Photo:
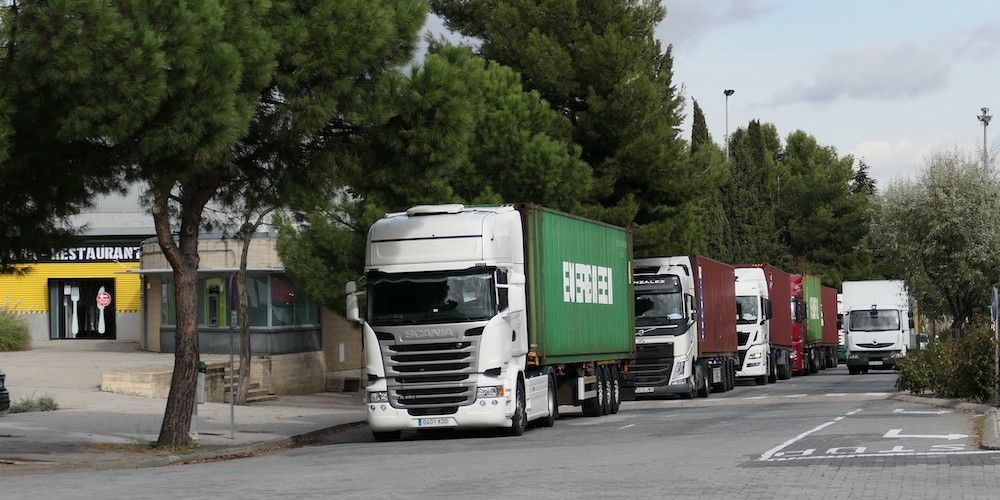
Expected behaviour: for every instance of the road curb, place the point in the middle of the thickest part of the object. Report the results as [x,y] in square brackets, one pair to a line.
[957,404]
[990,439]
[134,461]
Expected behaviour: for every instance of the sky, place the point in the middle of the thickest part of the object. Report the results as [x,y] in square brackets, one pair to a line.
[889,81]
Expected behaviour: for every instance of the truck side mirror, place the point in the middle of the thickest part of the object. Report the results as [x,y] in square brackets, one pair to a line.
[353,314]
[911,323]
[768,312]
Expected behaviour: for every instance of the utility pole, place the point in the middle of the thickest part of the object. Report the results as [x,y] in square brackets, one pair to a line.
[985,118]
[727,92]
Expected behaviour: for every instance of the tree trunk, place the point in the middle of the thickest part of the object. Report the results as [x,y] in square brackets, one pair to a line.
[182,255]
[243,386]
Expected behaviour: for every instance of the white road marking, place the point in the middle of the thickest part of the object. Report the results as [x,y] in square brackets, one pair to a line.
[835,394]
[796,395]
[626,426]
[759,397]
[883,454]
[876,394]
[769,453]
[896,433]
[921,412]
[852,412]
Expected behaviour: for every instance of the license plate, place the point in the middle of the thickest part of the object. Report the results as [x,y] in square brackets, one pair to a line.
[640,390]
[435,422]
[875,362]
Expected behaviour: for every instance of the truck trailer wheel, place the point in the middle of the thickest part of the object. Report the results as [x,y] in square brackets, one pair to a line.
[519,421]
[615,389]
[608,389]
[594,407]
[386,436]
[552,403]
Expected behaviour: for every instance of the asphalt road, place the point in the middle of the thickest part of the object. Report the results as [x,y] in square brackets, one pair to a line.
[828,435]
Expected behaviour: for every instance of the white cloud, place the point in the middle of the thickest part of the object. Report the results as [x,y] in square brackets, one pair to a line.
[886,73]
[689,20]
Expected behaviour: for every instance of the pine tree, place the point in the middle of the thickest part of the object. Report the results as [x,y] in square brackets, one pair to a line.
[699,128]
[599,64]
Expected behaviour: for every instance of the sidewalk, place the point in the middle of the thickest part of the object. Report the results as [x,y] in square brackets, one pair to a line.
[96,430]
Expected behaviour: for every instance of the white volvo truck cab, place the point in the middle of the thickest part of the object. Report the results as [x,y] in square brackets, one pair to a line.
[753,312]
[445,290]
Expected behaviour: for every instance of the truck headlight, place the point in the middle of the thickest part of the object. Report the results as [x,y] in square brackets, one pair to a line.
[754,355]
[378,397]
[679,366]
[489,392]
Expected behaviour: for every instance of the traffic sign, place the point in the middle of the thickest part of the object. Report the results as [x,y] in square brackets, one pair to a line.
[103,299]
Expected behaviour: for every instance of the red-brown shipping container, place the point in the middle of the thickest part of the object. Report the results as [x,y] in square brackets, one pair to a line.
[830,335]
[715,291]
[779,286]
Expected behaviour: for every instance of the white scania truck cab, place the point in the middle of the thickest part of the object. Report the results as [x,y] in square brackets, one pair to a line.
[753,312]
[877,324]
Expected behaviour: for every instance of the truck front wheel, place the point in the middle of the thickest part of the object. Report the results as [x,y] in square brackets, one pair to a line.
[553,404]
[519,421]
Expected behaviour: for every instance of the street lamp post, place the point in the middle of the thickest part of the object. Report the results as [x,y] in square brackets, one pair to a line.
[985,118]
[727,92]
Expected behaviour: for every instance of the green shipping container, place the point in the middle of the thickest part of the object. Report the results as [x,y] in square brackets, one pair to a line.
[812,296]
[580,305]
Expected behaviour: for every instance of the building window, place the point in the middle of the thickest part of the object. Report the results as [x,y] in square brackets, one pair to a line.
[268,297]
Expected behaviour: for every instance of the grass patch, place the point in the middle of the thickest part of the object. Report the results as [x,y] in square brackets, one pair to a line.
[14,334]
[25,405]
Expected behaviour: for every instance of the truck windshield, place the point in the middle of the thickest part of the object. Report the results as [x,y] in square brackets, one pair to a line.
[746,310]
[659,308]
[881,320]
[430,298]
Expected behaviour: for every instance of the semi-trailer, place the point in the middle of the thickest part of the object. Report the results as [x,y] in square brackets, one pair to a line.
[753,320]
[812,334]
[685,310]
[492,317]
[831,337]
[877,324]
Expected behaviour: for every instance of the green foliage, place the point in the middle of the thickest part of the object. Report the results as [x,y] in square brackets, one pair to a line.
[824,218]
[14,335]
[599,64]
[699,129]
[33,404]
[463,129]
[750,196]
[960,367]
[939,233]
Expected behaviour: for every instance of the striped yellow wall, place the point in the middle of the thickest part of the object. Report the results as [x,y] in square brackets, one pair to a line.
[28,293]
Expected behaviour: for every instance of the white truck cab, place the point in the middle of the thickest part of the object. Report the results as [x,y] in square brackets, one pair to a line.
[877,324]
[752,325]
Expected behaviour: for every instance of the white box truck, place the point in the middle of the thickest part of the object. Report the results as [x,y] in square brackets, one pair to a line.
[877,324]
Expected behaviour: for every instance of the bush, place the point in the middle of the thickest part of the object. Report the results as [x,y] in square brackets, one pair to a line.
[25,405]
[955,368]
[14,334]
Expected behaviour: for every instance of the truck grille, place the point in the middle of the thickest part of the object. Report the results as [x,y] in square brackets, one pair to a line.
[432,378]
[875,345]
[652,372]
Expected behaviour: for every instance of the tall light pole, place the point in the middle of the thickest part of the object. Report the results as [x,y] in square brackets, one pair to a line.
[727,92]
[985,118]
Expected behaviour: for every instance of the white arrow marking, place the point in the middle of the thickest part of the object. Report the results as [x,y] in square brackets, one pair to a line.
[921,412]
[895,433]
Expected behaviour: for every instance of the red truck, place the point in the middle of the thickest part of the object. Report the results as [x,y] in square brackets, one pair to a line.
[831,335]
[798,311]
[685,308]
